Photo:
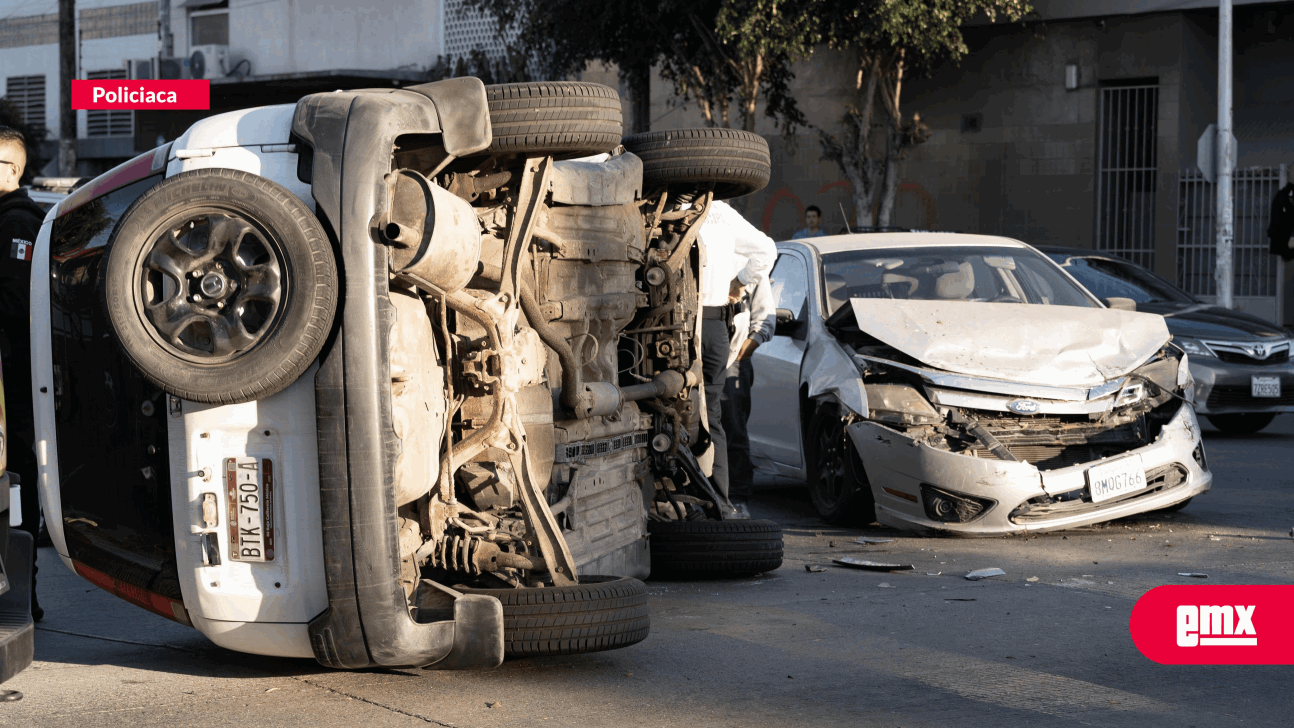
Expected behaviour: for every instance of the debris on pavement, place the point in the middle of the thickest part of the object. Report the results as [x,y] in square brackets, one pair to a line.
[1193,574]
[815,568]
[871,565]
[978,574]
[933,573]
[491,703]
[885,585]
[869,539]
[1032,578]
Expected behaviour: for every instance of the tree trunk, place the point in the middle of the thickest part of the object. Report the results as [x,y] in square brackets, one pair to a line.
[638,77]
[890,183]
[66,72]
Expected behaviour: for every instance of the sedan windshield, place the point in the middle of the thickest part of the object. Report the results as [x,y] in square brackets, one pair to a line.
[1110,279]
[986,274]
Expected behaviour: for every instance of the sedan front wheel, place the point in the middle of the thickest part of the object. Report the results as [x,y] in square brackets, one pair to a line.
[838,484]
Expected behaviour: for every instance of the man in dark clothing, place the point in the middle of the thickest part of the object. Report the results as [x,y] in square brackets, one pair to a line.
[1282,223]
[20,220]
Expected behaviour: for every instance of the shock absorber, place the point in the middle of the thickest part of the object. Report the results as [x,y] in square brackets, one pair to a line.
[473,555]
[456,553]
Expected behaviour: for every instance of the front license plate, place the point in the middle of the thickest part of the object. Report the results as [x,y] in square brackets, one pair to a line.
[1265,386]
[1113,479]
[250,486]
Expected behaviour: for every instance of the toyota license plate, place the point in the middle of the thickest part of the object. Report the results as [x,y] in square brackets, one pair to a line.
[1265,386]
[1117,478]
[249,483]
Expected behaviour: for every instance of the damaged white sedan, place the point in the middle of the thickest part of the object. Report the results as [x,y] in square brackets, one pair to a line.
[966,384]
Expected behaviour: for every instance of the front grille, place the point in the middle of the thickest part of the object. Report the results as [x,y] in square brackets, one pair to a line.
[1045,508]
[1234,357]
[1233,395]
[1054,457]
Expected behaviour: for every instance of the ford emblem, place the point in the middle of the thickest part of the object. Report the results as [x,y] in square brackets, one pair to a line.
[1023,406]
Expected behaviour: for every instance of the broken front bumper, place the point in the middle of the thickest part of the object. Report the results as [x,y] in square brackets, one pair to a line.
[1015,493]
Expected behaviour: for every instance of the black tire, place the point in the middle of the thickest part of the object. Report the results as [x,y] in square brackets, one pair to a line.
[692,549]
[599,613]
[562,118]
[270,273]
[1244,423]
[838,484]
[735,161]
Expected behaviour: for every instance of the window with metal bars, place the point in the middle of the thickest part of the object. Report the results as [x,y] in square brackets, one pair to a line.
[105,123]
[1126,172]
[27,94]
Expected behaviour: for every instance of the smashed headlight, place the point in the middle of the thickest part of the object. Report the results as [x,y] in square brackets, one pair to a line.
[900,404]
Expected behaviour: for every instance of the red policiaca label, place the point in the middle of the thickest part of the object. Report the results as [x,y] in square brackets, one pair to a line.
[1215,625]
[123,95]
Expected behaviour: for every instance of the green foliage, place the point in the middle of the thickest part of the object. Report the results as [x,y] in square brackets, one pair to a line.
[714,52]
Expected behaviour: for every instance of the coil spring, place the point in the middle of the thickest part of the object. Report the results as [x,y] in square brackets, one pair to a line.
[457,553]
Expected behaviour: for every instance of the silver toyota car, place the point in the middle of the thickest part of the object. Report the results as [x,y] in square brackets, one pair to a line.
[967,384]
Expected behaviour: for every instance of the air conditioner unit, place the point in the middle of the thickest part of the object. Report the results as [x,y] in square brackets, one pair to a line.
[174,68]
[137,68]
[209,61]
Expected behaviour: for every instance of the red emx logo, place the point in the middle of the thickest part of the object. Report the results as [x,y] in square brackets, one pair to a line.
[1216,626]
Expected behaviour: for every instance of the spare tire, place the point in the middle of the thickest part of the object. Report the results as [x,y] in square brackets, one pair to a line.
[691,549]
[561,118]
[599,613]
[220,286]
[736,162]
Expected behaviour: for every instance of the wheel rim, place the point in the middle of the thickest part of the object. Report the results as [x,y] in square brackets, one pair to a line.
[831,463]
[211,286]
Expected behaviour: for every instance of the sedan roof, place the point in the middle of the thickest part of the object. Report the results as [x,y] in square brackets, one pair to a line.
[868,241]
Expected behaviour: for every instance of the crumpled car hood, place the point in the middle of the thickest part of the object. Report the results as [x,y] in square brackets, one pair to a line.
[1047,345]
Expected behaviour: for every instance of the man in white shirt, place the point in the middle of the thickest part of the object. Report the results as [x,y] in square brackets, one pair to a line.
[753,325]
[737,254]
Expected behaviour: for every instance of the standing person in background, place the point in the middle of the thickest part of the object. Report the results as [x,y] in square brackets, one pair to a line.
[753,325]
[812,224]
[737,254]
[20,220]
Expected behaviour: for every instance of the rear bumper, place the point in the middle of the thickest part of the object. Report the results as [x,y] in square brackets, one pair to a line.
[898,467]
[1222,388]
[368,621]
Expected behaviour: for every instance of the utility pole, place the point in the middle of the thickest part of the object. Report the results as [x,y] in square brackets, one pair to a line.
[1224,221]
[66,72]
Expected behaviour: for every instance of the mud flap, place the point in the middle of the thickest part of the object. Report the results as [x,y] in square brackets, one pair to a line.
[478,634]
[16,628]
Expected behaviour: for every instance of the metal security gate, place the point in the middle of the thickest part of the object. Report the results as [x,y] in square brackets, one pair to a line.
[1126,173]
[1256,285]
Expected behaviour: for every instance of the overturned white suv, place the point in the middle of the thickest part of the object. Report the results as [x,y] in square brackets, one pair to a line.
[966,384]
[379,378]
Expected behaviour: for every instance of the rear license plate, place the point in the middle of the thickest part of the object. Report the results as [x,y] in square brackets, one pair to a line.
[1113,479]
[1265,386]
[250,486]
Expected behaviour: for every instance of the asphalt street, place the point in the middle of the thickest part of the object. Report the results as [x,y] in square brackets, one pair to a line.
[1046,644]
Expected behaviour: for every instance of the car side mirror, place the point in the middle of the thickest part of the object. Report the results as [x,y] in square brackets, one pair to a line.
[1120,304]
[786,323]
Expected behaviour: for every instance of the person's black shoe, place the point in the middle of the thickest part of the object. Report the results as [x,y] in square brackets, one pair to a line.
[37,614]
